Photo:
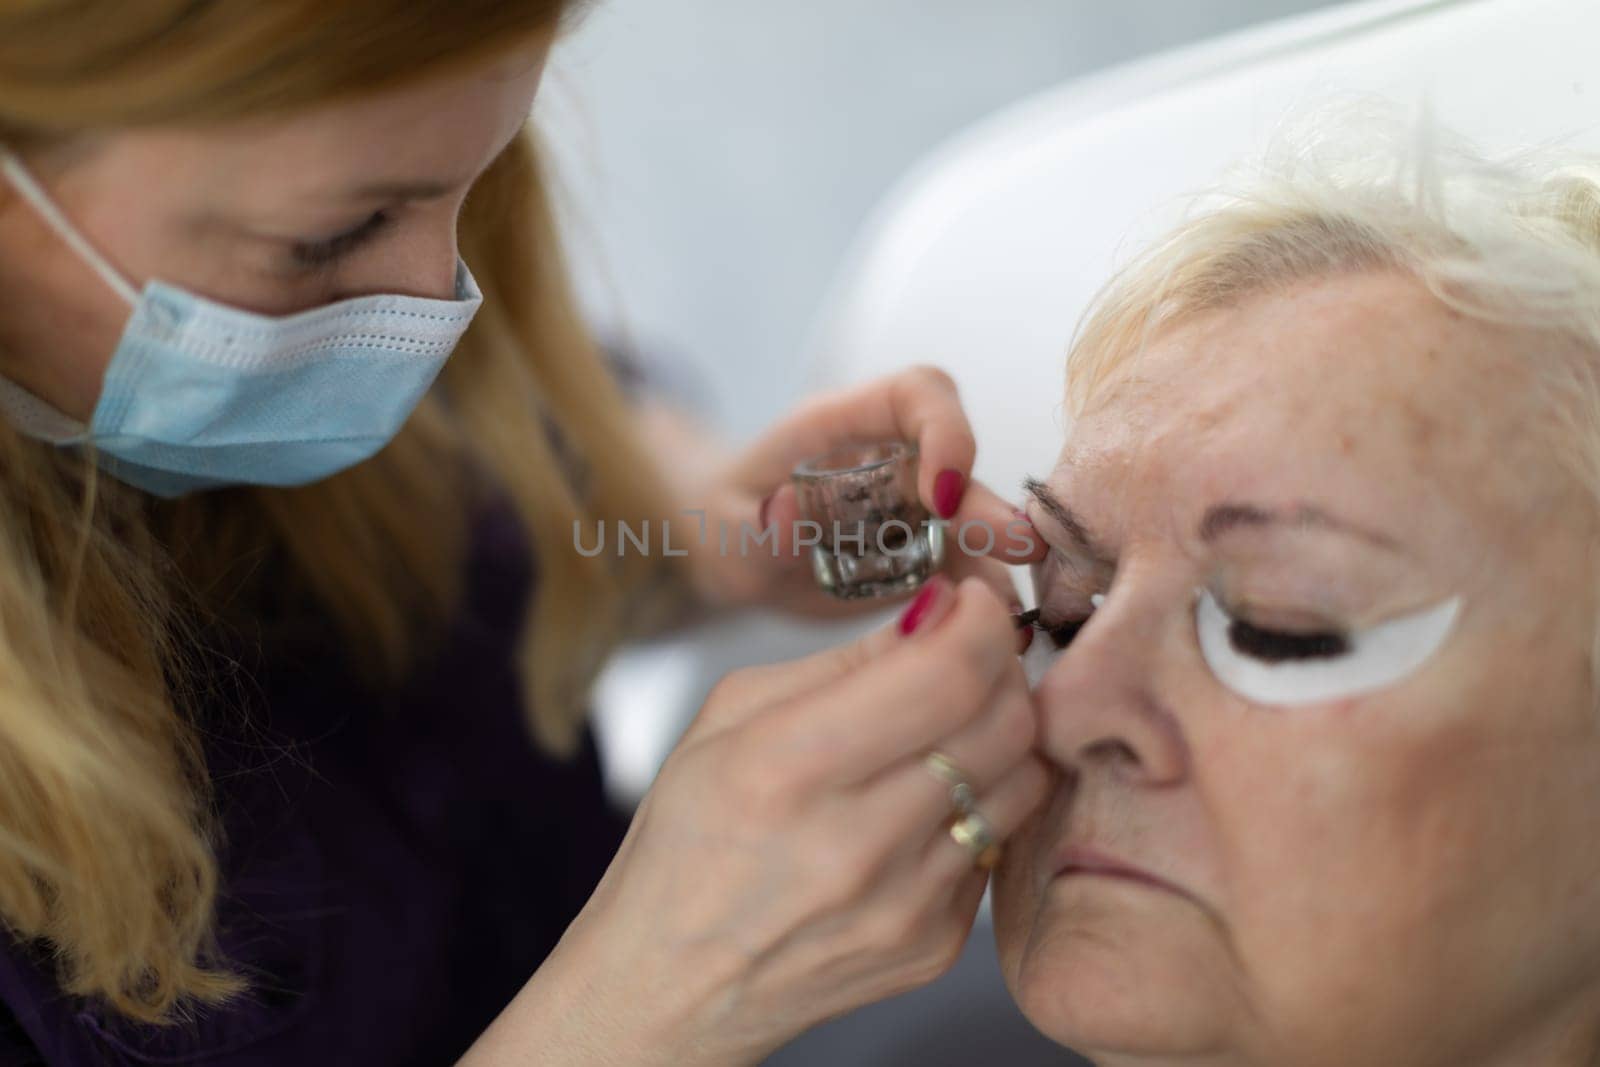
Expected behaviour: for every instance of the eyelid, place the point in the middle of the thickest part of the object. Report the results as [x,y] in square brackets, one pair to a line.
[1289,620]
[322,251]
[1056,535]
[1052,616]
[1058,577]
[1074,567]
[1312,593]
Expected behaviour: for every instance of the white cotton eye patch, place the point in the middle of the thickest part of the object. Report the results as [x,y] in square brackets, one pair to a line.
[1371,659]
[1042,653]
[1039,658]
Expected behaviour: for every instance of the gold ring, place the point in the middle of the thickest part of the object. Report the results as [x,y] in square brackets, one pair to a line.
[947,771]
[974,833]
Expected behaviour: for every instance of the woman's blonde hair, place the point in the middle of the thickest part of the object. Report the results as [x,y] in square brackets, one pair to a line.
[1351,185]
[107,850]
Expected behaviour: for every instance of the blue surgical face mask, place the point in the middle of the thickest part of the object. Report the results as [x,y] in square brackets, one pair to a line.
[199,395]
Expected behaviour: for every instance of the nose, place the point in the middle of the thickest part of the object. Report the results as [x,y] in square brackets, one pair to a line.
[1099,705]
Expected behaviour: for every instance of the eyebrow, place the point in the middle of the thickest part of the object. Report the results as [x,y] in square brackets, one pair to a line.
[1218,520]
[423,189]
[1064,517]
[418,190]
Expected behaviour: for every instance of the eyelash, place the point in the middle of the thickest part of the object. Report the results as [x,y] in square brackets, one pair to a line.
[1060,633]
[313,254]
[1277,646]
[1269,646]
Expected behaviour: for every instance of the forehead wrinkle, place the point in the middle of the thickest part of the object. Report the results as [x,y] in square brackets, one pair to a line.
[1100,483]
[1425,417]
[1182,442]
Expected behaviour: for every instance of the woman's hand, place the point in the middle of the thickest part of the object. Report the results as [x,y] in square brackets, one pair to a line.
[792,861]
[918,405]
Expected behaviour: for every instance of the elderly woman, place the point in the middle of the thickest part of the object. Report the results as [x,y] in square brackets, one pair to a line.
[1322,694]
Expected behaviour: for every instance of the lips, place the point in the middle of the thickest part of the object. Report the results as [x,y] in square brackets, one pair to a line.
[1082,860]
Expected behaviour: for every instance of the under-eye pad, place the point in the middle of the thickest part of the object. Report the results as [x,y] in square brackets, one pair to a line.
[1366,660]
[1038,659]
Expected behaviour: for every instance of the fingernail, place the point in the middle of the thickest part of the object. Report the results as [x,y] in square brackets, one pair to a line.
[1015,536]
[947,490]
[1024,639]
[918,609]
[766,506]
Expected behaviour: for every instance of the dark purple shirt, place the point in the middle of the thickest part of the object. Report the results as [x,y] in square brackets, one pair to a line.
[397,864]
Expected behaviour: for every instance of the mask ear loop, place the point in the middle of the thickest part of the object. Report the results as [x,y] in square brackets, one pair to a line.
[30,190]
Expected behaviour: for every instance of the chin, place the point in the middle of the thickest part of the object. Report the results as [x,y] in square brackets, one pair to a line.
[1118,973]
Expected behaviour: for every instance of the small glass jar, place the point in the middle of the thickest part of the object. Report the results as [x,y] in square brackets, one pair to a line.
[872,536]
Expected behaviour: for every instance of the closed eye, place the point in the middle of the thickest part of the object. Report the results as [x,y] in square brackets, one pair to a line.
[322,252]
[1247,638]
[1285,669]
[1275,646]
[1060,632]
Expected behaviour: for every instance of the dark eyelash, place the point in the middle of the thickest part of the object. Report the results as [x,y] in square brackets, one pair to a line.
[321,253]
[1059,633]
[1272,646]
[1276,646]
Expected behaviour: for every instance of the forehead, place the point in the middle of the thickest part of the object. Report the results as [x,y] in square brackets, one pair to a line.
[1365,391]
[440,127]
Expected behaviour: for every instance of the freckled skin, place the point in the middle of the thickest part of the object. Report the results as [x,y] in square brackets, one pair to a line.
[1408,878]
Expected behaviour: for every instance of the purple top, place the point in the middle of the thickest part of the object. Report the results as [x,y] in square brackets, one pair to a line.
[397,866]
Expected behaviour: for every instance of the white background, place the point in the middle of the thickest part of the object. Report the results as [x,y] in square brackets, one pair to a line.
[718,156]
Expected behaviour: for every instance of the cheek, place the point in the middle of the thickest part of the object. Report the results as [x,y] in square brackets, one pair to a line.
[1015,892]
[1444,824]
[144,232]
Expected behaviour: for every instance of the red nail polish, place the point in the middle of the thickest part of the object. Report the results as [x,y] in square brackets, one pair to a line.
[1024,640]
[766,506]
[947,490]
[918,608]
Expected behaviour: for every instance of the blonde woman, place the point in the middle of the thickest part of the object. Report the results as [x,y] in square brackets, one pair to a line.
[1323,544]
[297,424]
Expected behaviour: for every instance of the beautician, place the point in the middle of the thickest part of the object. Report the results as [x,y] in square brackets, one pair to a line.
[296,419]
